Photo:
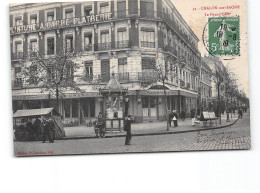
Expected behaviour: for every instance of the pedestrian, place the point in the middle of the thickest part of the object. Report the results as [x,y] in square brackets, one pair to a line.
[170,116]
[175,118]
[183,115]
[51,130]
[128,130]
[45,130]
[240,112]
[37,127]
[30,129]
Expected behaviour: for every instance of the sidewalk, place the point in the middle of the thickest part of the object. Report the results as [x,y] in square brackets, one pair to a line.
[154,128]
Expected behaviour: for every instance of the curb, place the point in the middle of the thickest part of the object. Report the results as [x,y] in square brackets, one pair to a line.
[149,134]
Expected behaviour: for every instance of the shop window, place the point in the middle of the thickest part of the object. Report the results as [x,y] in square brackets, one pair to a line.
[147,37]
[33,19]
[67,108]
[88,10]
[92,107]
[50,16]
[89,70]
[75,108]
[85,107]
[144,102]
[153,102]
[69,44]
[69,13]
[50,46]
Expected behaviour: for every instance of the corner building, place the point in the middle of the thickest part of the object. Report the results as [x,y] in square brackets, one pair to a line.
[123,37]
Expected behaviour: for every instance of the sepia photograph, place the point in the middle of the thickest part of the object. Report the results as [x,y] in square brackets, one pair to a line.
[129,76]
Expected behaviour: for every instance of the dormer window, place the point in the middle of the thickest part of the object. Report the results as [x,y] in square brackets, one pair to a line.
[50,16]
[18,21]
[33,19]
[104,7]
[69,13]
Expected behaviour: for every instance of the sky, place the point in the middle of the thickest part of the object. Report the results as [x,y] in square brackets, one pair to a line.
[197,20]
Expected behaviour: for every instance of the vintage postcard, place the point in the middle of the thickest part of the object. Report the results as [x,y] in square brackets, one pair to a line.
[126,76]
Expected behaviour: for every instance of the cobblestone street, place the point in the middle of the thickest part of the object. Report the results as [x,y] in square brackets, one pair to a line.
[235,137]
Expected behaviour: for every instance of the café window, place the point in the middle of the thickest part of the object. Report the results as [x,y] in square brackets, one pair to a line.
[50,16]
[18,21]
[75,108]
[104,7]
[69,44]
[33,19]
[67,108]
[88,41]
[69,13]
[89,70]
[50,46]
[88,10]
[147,37]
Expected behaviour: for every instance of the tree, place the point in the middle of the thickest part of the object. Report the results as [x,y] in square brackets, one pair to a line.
[54,73]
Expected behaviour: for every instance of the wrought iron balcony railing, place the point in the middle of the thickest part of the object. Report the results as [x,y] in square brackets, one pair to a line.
[147,44]
[148,76]
[17,55]
[104,46]
[88,47]
[122,44]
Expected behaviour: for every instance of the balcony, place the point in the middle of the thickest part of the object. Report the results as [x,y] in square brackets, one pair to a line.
[122,44]
[122,76]
[88,48]
[33,54]
[103,46]
[148,76]
[17,55]
[121,14]
[148,44]
[170,49]
[88,77]
[147,14]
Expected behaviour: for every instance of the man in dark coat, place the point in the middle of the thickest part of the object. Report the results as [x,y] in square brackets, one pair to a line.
[128,130]
[183,114]
[170,116]
[45,130]
[37,126]
[51,130]
[30,129]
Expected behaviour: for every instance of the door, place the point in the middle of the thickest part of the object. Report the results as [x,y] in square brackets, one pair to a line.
[149,108]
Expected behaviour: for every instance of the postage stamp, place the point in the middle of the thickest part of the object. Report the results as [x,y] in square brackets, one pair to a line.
[224,36]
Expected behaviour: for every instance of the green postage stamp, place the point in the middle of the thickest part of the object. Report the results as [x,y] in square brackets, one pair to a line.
[224,36]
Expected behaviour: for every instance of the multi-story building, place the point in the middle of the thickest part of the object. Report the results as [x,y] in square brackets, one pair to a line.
[205,86]
[126,37]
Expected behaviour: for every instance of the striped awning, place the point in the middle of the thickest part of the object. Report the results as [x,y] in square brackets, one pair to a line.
[32,112]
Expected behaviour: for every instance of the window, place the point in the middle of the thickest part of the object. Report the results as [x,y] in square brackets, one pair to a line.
[50,46]
[18,21]
[122,65]
[122,41]
[104,7]
[105,70]
[148,63]
[147,37]
[88,10]
[105,40]
[89,70]
[121,9]
[67,108]
[88,41]
[50,16]
[147,8]
[18,47]
[33,19]
[69,44]
[33,47]
[69,13]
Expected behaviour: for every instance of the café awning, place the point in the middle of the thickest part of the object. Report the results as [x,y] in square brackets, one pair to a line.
[32,112]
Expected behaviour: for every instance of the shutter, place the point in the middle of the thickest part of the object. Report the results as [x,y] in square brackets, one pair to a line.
[105,70]
[121,9]
[143,8]
[150,9]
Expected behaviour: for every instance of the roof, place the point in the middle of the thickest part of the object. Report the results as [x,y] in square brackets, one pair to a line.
[32,112]
[113,86]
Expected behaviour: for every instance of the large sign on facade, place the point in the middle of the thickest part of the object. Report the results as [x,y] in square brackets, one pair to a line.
[76,21]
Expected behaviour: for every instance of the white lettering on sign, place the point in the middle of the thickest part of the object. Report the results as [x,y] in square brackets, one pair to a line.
[61,23]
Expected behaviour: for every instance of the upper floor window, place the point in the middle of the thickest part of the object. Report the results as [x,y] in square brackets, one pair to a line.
[147,8]
[50,46]
[89,70]
[147,37]
[122,65]
[88,10]
[69,13]
[104,7]
[33,19]
[88,41]
[18,21]
[50,16]
[105,36]
[33,47]
[69,43]
[18,47]
[121,9]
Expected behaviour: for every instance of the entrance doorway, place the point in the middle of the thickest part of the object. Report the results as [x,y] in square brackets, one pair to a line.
[150,108]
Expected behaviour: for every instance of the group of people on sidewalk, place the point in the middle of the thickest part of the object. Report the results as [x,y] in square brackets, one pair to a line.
[173,117]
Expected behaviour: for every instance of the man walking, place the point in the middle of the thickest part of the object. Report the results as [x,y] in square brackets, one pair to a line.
[128,130]
[170,116]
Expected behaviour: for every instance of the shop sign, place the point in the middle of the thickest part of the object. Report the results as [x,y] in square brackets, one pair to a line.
[158,92]
[61,23]
[80,95]
[30,97]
